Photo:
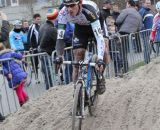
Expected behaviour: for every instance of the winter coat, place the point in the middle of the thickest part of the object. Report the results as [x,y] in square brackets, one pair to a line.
[129,20]
[16,40]
[12,67]
[105,13]
[33,35]
[147,17]
[4,31]
[47,37]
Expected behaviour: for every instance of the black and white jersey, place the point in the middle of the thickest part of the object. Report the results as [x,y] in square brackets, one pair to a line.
[87,16]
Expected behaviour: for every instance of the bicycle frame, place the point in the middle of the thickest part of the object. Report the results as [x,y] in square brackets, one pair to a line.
[85,80]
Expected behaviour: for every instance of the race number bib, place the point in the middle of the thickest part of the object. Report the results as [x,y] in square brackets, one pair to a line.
[96,28]
[60,34]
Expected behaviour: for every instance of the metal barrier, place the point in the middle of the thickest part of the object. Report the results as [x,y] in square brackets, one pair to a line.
[39,83]
[126,52]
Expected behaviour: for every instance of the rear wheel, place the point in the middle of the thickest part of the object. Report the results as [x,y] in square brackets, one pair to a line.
[157,48]
[77,108]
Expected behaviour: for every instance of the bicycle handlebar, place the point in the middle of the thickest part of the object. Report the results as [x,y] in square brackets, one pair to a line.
[77,63]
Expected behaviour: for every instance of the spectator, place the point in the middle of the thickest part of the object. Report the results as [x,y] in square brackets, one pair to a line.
[147,15]
[25,28]
[137,5]
[114,45]
[115,12]
[129,21]
[33,36]
[106,9]
[104,13]
[4,29]
[16,37]
[47,41]
[147,19]
[3,38]
[14,73]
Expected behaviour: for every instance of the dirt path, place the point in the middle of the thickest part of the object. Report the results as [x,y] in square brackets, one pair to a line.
[131,103]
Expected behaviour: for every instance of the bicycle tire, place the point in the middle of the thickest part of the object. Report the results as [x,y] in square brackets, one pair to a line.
[157,48]
[93,99]
[93,104]
[77,100]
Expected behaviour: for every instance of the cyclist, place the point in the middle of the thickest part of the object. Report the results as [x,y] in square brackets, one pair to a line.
[155,33]
[85,16]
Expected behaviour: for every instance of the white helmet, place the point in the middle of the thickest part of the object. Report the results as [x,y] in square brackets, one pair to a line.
[158,6]
[17,24]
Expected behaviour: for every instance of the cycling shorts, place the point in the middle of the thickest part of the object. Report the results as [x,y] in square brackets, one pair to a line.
[81,36]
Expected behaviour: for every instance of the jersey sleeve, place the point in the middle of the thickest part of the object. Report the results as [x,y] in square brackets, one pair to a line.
[62,21]
[96,27]
[90,13]
[62,17]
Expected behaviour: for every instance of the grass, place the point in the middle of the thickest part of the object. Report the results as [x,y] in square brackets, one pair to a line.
[135,66]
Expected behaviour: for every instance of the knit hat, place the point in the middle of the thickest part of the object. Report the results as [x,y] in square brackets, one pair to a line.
[52,14]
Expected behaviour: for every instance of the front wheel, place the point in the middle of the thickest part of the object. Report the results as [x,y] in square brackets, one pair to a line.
[93,103]
[77,107]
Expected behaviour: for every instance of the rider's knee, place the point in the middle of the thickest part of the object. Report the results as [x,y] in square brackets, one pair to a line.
[79,54]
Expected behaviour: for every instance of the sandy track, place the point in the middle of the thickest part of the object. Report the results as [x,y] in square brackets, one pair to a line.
[131,103]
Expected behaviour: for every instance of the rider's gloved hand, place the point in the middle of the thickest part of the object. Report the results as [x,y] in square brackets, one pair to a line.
[59,60]
[100,65]
[31,50]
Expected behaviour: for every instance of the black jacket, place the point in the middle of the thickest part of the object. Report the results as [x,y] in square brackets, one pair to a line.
[33,35]
[4,31]
[47,37]
[105,13]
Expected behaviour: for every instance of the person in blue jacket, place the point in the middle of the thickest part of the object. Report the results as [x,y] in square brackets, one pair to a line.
[14,73]
[147,20]
[25,29]
[16,37]
[147,14]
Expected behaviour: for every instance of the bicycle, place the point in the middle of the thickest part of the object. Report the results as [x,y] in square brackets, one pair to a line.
[85,93]
[155,46]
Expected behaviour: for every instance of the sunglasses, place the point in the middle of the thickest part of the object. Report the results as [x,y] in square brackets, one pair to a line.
[71,5]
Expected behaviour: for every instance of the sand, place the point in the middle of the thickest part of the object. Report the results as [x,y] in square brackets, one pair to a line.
[129,103]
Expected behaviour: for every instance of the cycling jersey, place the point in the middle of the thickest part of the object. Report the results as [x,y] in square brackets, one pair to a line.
[87,16]
[156,22]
